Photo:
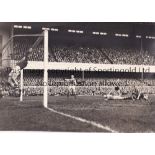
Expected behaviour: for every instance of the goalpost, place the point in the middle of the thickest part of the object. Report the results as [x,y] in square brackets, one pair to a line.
[45,96]
[45,62]
[45,78]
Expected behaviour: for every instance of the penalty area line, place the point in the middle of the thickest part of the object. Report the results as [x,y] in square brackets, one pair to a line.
[97,125]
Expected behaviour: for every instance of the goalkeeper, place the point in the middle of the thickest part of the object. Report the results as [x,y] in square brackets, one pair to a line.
[16,70]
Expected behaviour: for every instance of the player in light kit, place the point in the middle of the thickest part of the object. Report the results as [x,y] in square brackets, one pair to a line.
[114,94]
[71,86]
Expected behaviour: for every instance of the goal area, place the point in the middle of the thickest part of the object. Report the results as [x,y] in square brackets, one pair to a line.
[16,48]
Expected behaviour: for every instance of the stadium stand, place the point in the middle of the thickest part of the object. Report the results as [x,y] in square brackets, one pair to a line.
[102,56]
[21,45]
[38,81]
[33,84]
[78,54]
[83,90]
[90,86]
[85,54]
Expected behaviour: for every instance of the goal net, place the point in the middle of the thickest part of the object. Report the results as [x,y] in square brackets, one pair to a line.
[36,47]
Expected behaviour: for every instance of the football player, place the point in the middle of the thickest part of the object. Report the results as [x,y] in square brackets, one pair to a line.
[71,86]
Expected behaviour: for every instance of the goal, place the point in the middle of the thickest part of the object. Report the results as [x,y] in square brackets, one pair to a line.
[15,49]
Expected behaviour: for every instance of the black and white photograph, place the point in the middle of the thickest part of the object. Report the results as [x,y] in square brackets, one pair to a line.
[77,77]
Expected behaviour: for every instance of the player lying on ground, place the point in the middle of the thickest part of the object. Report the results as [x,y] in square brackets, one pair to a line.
[116,94]
[71,86]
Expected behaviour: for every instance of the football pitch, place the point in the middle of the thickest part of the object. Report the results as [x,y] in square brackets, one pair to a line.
[84,114]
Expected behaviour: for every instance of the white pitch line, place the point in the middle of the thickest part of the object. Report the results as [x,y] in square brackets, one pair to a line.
[98,125]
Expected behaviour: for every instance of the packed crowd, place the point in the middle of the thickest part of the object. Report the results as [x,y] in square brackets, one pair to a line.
[92,86]
[88,86]
[22,45]
[58,86]
[38,81]
[102,56]
[84,90]
[129,56]
[79,55]
[84,54]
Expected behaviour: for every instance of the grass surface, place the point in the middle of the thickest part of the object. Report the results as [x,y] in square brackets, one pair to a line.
[122,116]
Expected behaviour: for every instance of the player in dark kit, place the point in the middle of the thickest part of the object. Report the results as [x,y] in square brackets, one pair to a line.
[16,70]
[13,72]
[135,93]
[1,94]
